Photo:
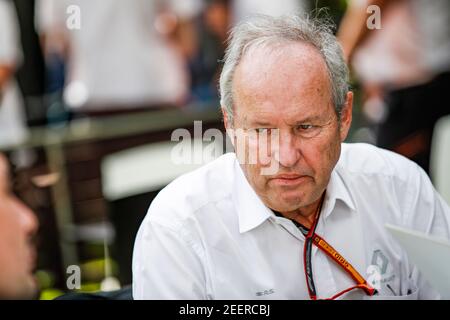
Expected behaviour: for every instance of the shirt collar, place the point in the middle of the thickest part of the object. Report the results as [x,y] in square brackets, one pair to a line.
[337,189]
[252,211]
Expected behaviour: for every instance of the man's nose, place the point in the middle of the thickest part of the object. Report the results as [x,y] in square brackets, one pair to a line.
[287,151]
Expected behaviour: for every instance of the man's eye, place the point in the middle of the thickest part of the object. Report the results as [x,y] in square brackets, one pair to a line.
[305,127]
[308,130]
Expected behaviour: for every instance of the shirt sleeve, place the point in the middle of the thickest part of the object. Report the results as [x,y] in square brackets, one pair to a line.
[166,264]
[10,52]
[426,212]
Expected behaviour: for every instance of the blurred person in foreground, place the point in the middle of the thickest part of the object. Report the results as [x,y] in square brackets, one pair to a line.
[18,225]
[404,69]
[305,219]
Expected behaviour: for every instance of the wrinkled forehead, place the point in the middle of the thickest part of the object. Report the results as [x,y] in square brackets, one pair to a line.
[262,60]
[285,74]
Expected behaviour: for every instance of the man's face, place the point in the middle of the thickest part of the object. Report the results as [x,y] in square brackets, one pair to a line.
[285,91]
[17,256]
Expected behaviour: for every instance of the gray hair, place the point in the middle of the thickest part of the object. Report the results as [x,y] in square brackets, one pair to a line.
[263,29]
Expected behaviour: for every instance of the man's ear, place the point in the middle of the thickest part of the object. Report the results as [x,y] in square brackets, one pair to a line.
[226,118]
[346,116]
[228,125]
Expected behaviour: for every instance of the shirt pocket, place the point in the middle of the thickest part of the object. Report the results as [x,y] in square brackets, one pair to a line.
[413,295]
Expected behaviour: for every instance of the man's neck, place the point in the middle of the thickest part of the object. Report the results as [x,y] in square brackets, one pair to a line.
[306,215]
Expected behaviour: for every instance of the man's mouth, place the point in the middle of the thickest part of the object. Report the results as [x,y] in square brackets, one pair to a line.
[288,179]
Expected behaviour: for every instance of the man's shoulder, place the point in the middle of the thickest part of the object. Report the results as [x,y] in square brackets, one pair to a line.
[191,191]
[368,160]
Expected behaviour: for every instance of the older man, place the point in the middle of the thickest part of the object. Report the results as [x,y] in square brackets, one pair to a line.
[17,256]
[312,228]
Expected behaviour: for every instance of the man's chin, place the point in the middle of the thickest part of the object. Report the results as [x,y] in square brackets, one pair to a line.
[287,204]
[290,201]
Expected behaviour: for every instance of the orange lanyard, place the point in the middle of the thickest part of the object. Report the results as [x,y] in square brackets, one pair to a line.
[340,260]
[312,238]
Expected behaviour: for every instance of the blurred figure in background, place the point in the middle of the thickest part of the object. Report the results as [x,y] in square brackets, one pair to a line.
[404,68]
[18,225]
[244,8]
[12,115]
[211,27]
[124,55]
[216,19]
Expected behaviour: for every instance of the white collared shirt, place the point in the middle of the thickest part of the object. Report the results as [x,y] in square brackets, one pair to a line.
[208,235]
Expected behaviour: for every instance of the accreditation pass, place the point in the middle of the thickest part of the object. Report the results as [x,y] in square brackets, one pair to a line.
[225,310]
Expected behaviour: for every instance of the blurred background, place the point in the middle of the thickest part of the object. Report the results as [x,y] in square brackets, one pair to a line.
[91,91]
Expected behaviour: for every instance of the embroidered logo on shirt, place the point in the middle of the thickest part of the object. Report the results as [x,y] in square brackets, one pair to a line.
[265,292]
[380,260]
[378,274]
